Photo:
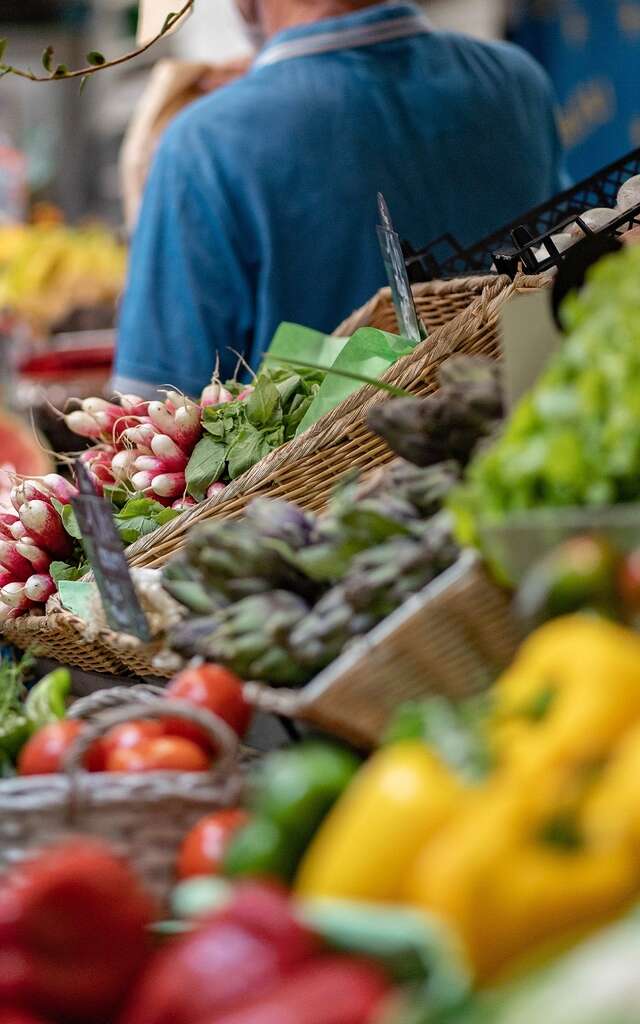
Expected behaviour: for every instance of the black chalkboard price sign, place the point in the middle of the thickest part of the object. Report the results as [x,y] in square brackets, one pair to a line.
[105,552]
[397,276]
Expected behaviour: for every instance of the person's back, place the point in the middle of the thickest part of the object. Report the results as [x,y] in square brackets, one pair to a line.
[262,203]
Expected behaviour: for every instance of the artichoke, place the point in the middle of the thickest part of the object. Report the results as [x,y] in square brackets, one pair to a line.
[251,637]
[236,562]
[282,521]
[185,585]
[448,424]
[351,526]
[323,634]
[426,488]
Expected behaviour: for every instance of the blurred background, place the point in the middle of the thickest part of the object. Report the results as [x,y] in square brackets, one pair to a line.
[71,143]
[60,152]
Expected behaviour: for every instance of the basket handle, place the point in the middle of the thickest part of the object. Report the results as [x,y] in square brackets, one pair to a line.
[114,697]
[221,735]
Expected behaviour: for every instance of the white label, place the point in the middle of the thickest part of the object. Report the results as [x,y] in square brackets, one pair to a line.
[529,337]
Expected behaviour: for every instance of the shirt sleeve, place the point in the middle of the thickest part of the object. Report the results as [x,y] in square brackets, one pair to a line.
[188,303]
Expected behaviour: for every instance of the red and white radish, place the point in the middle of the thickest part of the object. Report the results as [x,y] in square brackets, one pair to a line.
[215,394]
[123,465]
[169,485]
[17,531]
[214,489]
[182,504]
[142,481]
[40,560]
[45,527]
[11,559]
[15,597]
[165,448]
[62,490]
[39,588]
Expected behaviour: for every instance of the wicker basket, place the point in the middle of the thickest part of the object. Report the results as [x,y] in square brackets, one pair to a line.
[143,816]
[305,470]
[452,639]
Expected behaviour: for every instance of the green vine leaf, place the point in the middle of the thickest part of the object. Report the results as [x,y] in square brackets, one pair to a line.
[61,71]
[3,47]
[47,58]
[83,82]
[96,59]
[169,20]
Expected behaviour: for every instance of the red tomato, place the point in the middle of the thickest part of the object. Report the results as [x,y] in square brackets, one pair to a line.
[130,734]
[214,688]
[165,753]
[204,847]
[44,752]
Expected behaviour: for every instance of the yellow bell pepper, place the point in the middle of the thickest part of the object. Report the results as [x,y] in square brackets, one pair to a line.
[370,839]
[571,693]
[506,889]
[612,810]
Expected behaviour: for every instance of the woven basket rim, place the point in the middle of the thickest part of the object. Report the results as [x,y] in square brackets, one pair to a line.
[338,422]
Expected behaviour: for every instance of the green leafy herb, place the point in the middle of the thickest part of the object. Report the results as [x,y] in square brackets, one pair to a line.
[142,516]
[70,522]
[264,406]
[64,571]
[205,466]
[96,59]
[249,447]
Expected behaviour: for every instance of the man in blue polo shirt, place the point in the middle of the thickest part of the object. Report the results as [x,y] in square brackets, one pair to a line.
[261,204]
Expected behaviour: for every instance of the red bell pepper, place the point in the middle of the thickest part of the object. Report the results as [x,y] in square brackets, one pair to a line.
[73,932]
[244,950]
[10,1015]
[327,990]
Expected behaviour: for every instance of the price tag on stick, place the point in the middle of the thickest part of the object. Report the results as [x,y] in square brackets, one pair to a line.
[408,320]
[105,552]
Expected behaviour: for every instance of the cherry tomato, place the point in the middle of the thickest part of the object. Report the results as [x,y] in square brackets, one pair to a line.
[164,753]
[43,754]
[204,847]
[214,688]
[130,734]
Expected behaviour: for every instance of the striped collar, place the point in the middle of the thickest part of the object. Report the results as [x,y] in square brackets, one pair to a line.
[376,24]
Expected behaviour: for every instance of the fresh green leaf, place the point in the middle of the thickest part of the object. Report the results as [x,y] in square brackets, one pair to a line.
[140,517]
[96,59]
[3,47]
[83,83]
[63,571]
[169,20]
[264,405]
[58,505]
[47,58]
[61,71]
[250,446]
[205,466]
[70,522]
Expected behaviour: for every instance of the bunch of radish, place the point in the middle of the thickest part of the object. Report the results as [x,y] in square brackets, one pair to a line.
[145,446]
[31,538]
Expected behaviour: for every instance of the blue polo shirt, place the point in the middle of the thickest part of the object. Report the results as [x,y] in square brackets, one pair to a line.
[261,203]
